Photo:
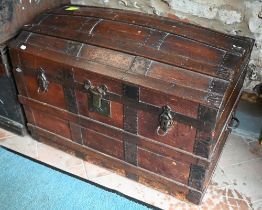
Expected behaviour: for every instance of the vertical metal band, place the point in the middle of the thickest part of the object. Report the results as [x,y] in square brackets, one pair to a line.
[71,104]
[130,125]
[195,196]
[69,93]
[197,177]
[203,139]
[76,133]
[202,147]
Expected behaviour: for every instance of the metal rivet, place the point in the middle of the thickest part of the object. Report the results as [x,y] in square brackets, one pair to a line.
[18,70]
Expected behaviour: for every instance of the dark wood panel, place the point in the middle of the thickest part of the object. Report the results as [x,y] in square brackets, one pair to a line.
[103,143]
[145,177]
[120,60]
[59,45]
[161,165]
[205,124]
[52,20]
[178,75]
[171,90]
[77,49]
[130,38]
[106,56]
[54,95]
[179,135]
[145,64]
[195,50]
[51,123]
[154,146]
[116,118]
[179,105]
[198,33]
[114,86]
[76,133]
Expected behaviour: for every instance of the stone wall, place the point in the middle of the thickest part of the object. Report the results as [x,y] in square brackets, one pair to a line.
[240,17]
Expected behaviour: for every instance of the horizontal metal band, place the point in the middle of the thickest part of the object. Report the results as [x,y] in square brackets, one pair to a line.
[67,143]
[140,105]
[169,151]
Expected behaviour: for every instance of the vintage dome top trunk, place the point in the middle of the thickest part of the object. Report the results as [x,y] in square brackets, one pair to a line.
[148,97]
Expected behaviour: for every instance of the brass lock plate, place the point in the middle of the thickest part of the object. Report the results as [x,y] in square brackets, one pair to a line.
[96,101]
[105,108]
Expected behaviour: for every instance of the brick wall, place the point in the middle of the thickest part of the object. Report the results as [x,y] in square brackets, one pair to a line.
[241,17]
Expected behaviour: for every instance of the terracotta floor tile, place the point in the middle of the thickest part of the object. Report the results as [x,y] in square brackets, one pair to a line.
[235,151]
[236,203]
[213,198]
[25,145]
[56,157]
[225,198]
[182,206]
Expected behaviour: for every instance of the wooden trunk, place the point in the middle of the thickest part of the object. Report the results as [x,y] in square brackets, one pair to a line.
[13,15]
[11,113]
[148,97]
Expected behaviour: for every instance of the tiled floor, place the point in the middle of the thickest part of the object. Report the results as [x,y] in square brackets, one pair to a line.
[236,184]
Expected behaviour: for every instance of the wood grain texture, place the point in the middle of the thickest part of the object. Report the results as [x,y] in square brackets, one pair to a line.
[145,177]
[201,34]
[146,63]
[156,147]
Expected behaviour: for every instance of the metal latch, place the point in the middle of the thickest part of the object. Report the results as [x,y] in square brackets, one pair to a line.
[165,121]
[42,81]
[96,102]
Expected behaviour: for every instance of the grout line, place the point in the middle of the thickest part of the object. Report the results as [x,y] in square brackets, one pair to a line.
[84,167]
[242,162]
[77,165]
[256,201]
[240,199]
[244,198]
[222,187]
[98,177]
[36,147]
[224,174]
[231,187]
[246,161]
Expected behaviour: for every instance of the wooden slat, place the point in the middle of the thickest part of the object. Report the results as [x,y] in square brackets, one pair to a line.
[198,95]
[156,147]
[132,39]
[190,31]
[145,177]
